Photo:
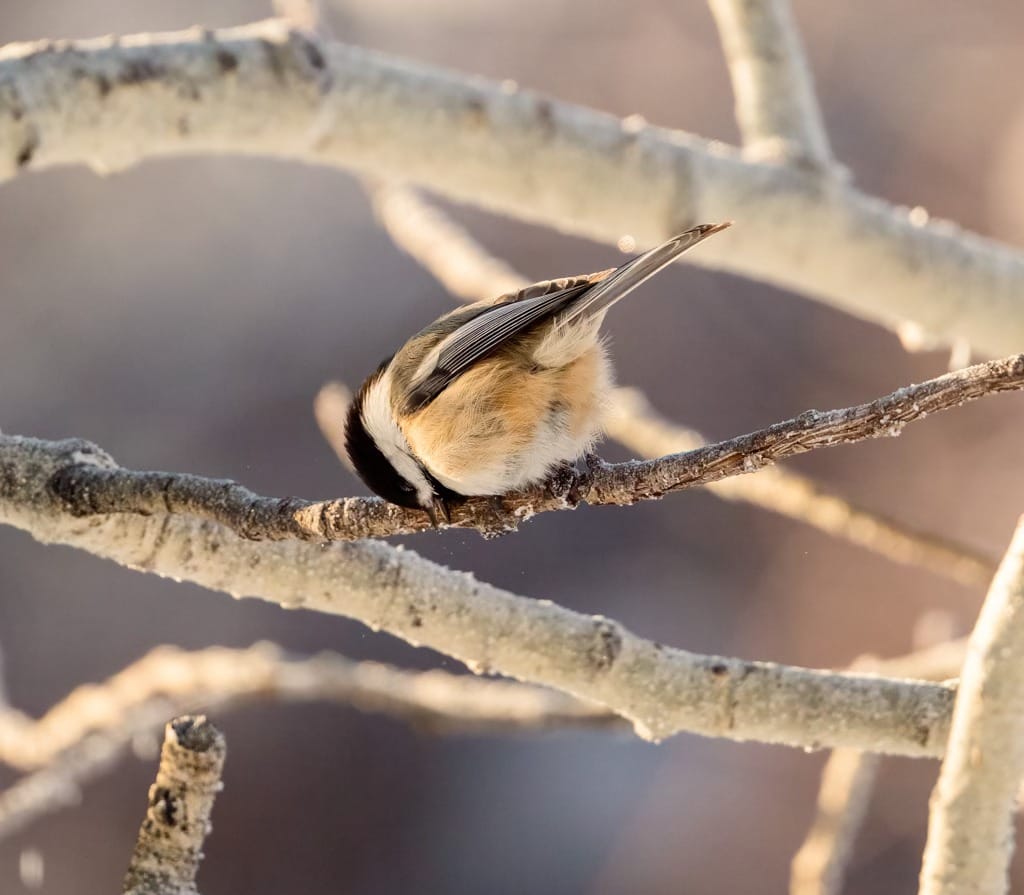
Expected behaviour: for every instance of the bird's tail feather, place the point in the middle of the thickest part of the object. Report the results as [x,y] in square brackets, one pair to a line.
[626,278]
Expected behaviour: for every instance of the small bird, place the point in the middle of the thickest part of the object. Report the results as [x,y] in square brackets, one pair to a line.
[495,396]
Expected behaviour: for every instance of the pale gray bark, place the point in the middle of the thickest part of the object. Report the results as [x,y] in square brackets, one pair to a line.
[170,844]
[970,826]
[89,487]
[659,689]
[272,89]
[776,108]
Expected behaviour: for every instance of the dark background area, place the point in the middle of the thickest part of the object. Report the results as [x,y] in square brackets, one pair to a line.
[183,314]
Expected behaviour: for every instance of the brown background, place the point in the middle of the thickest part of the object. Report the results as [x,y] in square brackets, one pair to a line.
[183,314]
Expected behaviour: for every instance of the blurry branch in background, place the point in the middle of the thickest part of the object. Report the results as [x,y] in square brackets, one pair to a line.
[87,732]
[847,781]
[274,89]
[329,408]
[440,245]
[170,843]
[915,340]
[94,484]
[638,426]
[305,14]
[471,273]
[776,107]
[848,778]
[217,678]
[59,784]
[660,690]
[971,821]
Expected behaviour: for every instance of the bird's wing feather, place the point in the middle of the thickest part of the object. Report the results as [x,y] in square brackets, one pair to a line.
[626,278]
[582,299]
[483,334]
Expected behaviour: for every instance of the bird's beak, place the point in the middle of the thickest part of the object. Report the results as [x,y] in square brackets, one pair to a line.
[438,511]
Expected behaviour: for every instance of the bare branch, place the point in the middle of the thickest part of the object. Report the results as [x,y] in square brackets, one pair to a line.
[661,690]
[776,108]
[849,778]
[329,408]
[88,487]
[970,826]
[471,273]
[452,256]
[59,784]
[213,679]
[271,89]
[85,735]
[638,426]
[846,785]
[170,843]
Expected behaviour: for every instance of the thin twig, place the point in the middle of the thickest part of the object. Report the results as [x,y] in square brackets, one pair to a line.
[640,428]
[88,488]
[170,844]
[468,271]
[970,825]
[776,108]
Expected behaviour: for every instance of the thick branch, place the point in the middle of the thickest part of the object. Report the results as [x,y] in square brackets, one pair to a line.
[659,689]
[170,843]
[90,487]
[970,827]
[776,108]
[849,778]
[269,89]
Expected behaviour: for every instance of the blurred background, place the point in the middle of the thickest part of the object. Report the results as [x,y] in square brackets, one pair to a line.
[184,313]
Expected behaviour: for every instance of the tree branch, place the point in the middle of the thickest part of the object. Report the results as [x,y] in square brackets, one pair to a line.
[970,826]
[85,734]
[437,243]
[776,108]
[848,779]
[272,89]
[635,424]
[170,843]
[846,785]
[329,408]
[91,487]
[470,272]
[216,678]
[58,785]
[659,689]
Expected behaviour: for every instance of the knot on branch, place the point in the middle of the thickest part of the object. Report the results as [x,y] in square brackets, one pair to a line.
[69,484]
[606,645]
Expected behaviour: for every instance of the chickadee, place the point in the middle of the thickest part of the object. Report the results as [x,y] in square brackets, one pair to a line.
[494,396]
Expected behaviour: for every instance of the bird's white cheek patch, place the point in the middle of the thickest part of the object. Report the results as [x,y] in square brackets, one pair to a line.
[380,423]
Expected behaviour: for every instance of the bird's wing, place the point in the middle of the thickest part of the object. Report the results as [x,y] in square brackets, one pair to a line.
[626,278]
[582,297]
[482,335]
